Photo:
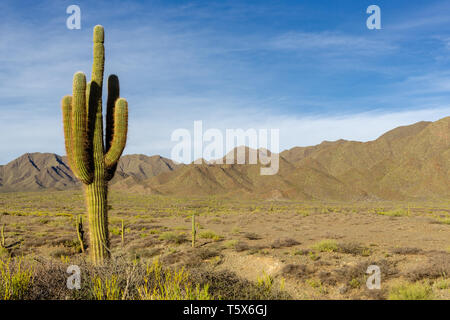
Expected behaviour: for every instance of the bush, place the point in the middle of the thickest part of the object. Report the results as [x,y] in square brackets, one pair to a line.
[411,291]
[170,284]
[15,279]
[210,235]
[394,213]
[326,246]
[172,237]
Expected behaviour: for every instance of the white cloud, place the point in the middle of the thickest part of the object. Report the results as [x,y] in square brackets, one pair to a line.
[333,43]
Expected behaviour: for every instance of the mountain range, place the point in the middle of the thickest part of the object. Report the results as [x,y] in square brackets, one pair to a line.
[407,163]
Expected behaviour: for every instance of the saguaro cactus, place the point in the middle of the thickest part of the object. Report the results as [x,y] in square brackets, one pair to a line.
[92,161]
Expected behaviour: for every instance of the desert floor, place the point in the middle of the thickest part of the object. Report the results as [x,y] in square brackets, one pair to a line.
[307,250]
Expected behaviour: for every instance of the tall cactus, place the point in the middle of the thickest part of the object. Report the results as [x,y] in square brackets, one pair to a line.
[92,161]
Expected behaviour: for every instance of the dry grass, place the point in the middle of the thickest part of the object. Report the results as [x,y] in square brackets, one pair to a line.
[283,236]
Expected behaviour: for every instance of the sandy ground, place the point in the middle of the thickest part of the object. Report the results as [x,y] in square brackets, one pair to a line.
[310,250]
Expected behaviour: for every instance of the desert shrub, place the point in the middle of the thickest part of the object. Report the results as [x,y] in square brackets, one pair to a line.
[353,248]
[265,282]
[16,279]
[170,284]
[230,243]
[172,237]
[296,270]
[60,252]
[411,291]
[442,284]
[326,246]
[120,279]
[227,285]
[286,242]
[443,220]
[406,250]
[208,234]
[106,289]
[347,273]
[252,236]
[394,213]
[241,246]
[437,266]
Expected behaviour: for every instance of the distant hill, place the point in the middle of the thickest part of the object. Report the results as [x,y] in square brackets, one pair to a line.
[41,171]
[410,162]
[406,163]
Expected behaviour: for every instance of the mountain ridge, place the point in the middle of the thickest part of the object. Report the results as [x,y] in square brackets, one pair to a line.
[407,162]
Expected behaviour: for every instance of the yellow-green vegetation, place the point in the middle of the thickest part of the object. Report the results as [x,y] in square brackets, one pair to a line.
[93,160]
[326,246]
[15,279]
[160,226]
[442,284]
[172,237]
[317,284]
[265,281]
[444,220]
[162,284]
[303,212]
[354,283]
[411,291]
[106,289]
[314,283]
[394,213]
[231,243]
[2,239]
[313,256]
[208,234]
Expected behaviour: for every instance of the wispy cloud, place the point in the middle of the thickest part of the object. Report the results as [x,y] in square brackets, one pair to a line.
[334,43]
[216,62]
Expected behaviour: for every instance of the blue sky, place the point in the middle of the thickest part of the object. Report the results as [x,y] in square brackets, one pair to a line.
[310,68]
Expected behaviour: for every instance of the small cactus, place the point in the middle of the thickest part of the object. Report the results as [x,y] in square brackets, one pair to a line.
[80,231]
[93,160]
[2,241]
[194,231]
[123,233]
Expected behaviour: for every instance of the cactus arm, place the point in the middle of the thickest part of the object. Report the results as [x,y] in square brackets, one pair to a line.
[113,95]
[80,156]
[66,106]
[95,101]
[120,133]
[99,56]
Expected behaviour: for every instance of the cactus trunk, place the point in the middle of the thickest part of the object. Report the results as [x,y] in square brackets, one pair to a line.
[93,162]
[96,198]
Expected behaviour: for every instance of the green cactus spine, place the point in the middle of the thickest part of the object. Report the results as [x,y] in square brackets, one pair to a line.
[92,161]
